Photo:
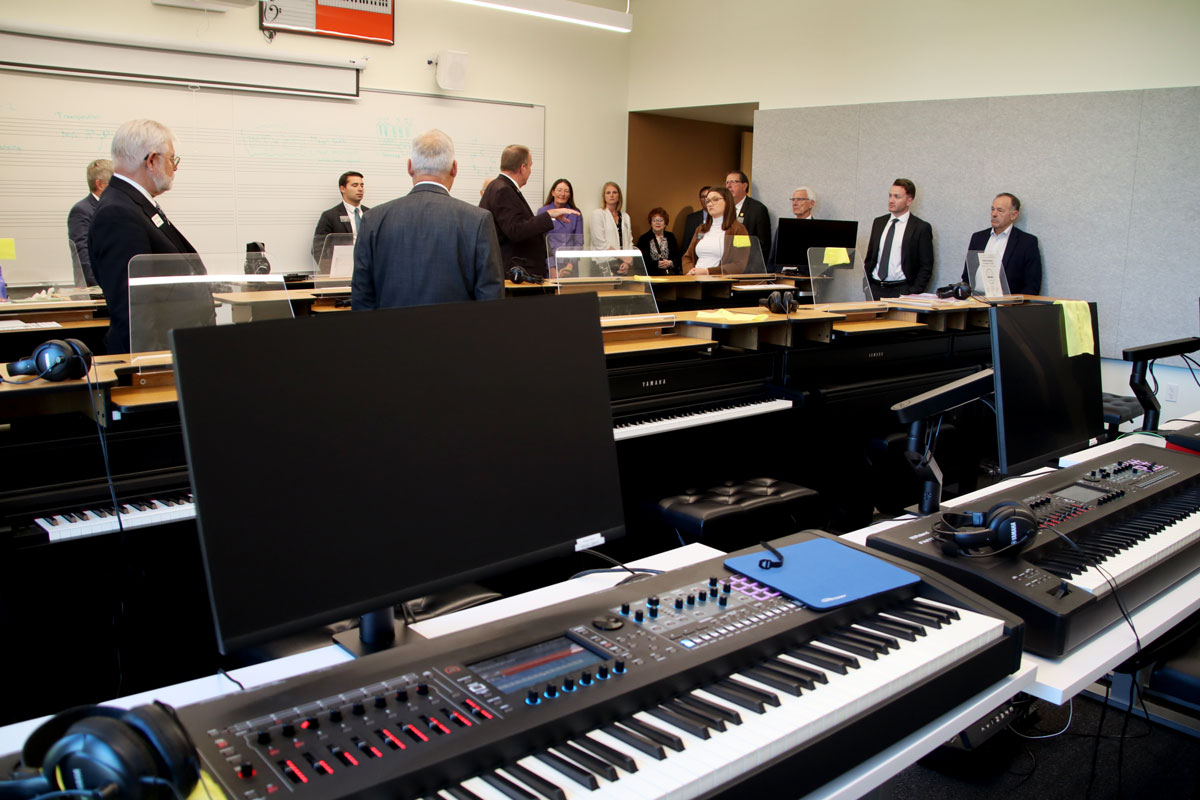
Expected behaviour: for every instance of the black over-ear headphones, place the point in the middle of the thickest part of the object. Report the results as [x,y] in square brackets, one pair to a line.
[1008,525]
[55,360]
[780,302]
[522,275]
[108,751]
[959,291]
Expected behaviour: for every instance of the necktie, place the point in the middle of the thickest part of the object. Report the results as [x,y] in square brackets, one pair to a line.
[886,256]
[162,214]
[357,220]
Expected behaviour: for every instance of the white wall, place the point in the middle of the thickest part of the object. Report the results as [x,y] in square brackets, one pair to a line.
[579,74]
[794,53]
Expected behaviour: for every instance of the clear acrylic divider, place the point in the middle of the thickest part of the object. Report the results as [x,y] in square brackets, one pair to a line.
[836,276]
[562,241]
[617,277]
[740,255]
[188,290]
[986,275]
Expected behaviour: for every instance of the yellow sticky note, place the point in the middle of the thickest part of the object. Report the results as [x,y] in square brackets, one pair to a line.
[835,256]
[1077,319]
[741,241]
[8,249]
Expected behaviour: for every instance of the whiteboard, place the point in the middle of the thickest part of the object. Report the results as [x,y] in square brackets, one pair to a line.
[255,168]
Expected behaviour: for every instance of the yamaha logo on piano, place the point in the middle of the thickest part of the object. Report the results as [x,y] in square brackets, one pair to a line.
[876,354]
[654,382]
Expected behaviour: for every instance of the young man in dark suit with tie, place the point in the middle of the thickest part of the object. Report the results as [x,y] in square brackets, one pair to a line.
[426,247]
[521,233]
[129,222]
[1019,254]
[899,259]
[346,216]
[79,219]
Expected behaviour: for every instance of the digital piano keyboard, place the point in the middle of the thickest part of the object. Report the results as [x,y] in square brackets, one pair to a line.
[692,683]
[1113,531]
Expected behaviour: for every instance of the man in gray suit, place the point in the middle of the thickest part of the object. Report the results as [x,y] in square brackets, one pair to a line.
[79,220]
[426,247]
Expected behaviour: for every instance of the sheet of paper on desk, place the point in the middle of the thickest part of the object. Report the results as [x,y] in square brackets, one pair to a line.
[822,573]
[342,263]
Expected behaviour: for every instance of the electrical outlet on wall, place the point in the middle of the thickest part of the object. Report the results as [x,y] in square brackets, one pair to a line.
[1172,392]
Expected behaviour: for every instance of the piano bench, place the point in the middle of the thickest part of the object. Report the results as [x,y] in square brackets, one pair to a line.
[734,515]
[1119,409]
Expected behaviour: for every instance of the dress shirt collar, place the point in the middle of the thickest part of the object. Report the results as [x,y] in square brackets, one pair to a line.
[96,197]
[739,205]
[350,209]
[903,217]
[1002,234]
[441,186]
[511,179]
[137,186]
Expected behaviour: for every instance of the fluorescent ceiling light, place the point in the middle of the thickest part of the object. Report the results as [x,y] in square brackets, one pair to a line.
[563,11]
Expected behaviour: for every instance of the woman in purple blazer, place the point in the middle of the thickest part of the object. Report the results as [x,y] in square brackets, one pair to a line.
[567,232]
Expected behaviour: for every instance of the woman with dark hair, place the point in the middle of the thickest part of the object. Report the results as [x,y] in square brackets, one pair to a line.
[567,233]
[611,229]
[660,250]
[721,245]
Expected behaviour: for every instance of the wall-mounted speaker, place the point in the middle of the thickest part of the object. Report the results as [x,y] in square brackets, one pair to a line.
[452,70]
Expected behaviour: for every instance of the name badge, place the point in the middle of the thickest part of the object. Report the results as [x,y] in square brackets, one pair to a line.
[158,221]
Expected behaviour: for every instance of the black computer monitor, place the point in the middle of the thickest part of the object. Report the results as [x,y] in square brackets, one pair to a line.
[1047,403]
[347,462]
[796,236]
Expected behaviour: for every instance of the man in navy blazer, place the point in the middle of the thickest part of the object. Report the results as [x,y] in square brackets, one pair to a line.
[79,219]
[899,256]
[340,218]
[750,212]
[521,233]
[1019,254]
[129,222]
[426,247]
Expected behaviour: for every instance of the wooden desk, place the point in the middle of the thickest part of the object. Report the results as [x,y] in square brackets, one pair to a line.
[751,328]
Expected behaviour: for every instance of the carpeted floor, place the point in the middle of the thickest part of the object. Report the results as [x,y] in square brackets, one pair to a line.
[1132,759]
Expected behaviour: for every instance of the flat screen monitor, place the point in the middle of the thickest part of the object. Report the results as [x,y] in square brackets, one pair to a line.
[1048,403]
[796,236]
[344,463]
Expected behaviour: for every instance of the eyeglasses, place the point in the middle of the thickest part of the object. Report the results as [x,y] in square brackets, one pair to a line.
[173,159]
[658,219]
[801,200]
[732,182]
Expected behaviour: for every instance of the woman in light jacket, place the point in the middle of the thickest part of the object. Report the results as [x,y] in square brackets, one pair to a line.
[612,230]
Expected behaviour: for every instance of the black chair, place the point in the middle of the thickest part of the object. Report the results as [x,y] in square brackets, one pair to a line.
[738,514]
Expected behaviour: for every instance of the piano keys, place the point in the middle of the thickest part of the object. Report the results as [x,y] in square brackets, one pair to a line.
[1113,531]
[582,700]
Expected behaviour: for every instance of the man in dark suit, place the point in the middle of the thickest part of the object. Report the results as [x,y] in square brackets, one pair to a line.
[79,219]
[346,216]
[129,222]
[750,212]
[521,233]
[694,221]
[426,247]
[900,259]
[1018,250]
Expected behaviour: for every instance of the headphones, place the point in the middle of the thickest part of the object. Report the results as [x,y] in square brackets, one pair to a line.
[522,275]
[55,360]
[1005,526]
[959,291]
[780,302]
[109,752]
[256,259]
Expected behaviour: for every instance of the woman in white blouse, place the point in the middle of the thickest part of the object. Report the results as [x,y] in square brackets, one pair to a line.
[611,229]
[721,245]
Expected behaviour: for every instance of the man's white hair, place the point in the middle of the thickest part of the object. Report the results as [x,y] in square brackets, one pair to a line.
[811,194]
[136,139]
[432,153]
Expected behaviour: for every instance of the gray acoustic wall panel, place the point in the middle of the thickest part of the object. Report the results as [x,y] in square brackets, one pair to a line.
[1109,182]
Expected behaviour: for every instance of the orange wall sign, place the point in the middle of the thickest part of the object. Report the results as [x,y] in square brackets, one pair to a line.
[368,20]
